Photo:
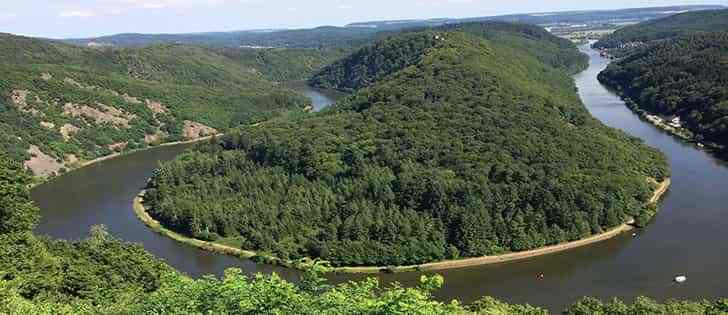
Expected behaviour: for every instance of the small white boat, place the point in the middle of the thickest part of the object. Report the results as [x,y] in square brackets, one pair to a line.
[681,279]
[700,145]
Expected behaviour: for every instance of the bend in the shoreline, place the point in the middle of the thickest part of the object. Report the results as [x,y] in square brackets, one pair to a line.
[42,180]
[141,212]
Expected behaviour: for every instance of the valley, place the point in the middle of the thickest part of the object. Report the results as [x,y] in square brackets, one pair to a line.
[686,97]
[70,208]
[428,166]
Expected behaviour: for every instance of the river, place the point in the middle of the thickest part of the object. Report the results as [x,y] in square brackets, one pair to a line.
[687,236]
[320,98]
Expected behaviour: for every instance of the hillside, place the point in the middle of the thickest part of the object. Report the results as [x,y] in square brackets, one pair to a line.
[60,104]
[669,27]
[284,64]
[372,63]
[458,146]
[684,77]
[375,62]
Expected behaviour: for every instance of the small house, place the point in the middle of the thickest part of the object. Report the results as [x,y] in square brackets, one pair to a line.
[675,122]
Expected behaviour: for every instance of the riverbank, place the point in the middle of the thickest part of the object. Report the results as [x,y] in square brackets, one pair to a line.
[661,123]
[143,215]
[141,212]
[118,154]
[42,180]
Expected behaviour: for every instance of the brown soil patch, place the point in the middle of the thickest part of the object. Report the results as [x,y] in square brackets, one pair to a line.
[69,130]
[41,164]
[78,84]
[109,114]
[119,146]
[20,100]
[72,159]
[194,130]
[130,99]
[154,138]
[73,82]
[19,97]
[48,125]
[156,107]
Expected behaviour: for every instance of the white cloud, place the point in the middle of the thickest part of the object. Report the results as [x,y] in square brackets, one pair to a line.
[77,14]
[154,5]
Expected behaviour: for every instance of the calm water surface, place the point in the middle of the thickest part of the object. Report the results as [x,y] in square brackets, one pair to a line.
[687,237]
[320,98]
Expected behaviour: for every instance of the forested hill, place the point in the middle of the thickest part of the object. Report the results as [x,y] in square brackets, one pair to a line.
[374,62]
[62,104]
[669,27]
[474,147]
[390,55]
[534,40]
[685,77]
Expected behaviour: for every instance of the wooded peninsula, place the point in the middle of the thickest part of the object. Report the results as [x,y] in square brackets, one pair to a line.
[457,142]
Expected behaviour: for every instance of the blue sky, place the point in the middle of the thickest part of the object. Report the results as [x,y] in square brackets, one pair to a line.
[87,18]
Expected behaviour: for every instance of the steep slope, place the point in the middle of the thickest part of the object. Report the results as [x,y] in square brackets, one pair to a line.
[684,77]
[461,146]
[533,40]
[372,63]
[285,64]
[61,104]
[669,27]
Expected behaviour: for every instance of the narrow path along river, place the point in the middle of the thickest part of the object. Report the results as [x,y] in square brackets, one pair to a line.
[687,237]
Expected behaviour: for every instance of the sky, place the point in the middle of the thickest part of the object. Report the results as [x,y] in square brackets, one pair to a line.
[91,18]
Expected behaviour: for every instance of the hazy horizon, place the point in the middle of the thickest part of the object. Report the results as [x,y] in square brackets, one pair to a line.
[85,18]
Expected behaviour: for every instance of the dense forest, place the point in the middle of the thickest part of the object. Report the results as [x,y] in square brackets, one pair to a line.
[372,63]
[285,64]
[685,77]
[458,146]
[102,275]
[668,27]
[61,104]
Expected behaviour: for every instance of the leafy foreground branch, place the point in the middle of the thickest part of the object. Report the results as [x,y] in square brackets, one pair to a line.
[237,293]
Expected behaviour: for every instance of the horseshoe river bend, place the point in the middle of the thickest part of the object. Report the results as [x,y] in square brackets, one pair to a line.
[687,236]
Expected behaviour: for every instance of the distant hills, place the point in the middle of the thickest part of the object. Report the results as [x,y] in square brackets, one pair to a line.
[353,34]
[668,27]
[589,16]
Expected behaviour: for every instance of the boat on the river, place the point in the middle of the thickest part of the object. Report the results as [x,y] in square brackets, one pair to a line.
[681,279]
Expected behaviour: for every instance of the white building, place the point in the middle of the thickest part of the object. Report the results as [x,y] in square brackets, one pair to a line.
[676,122]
